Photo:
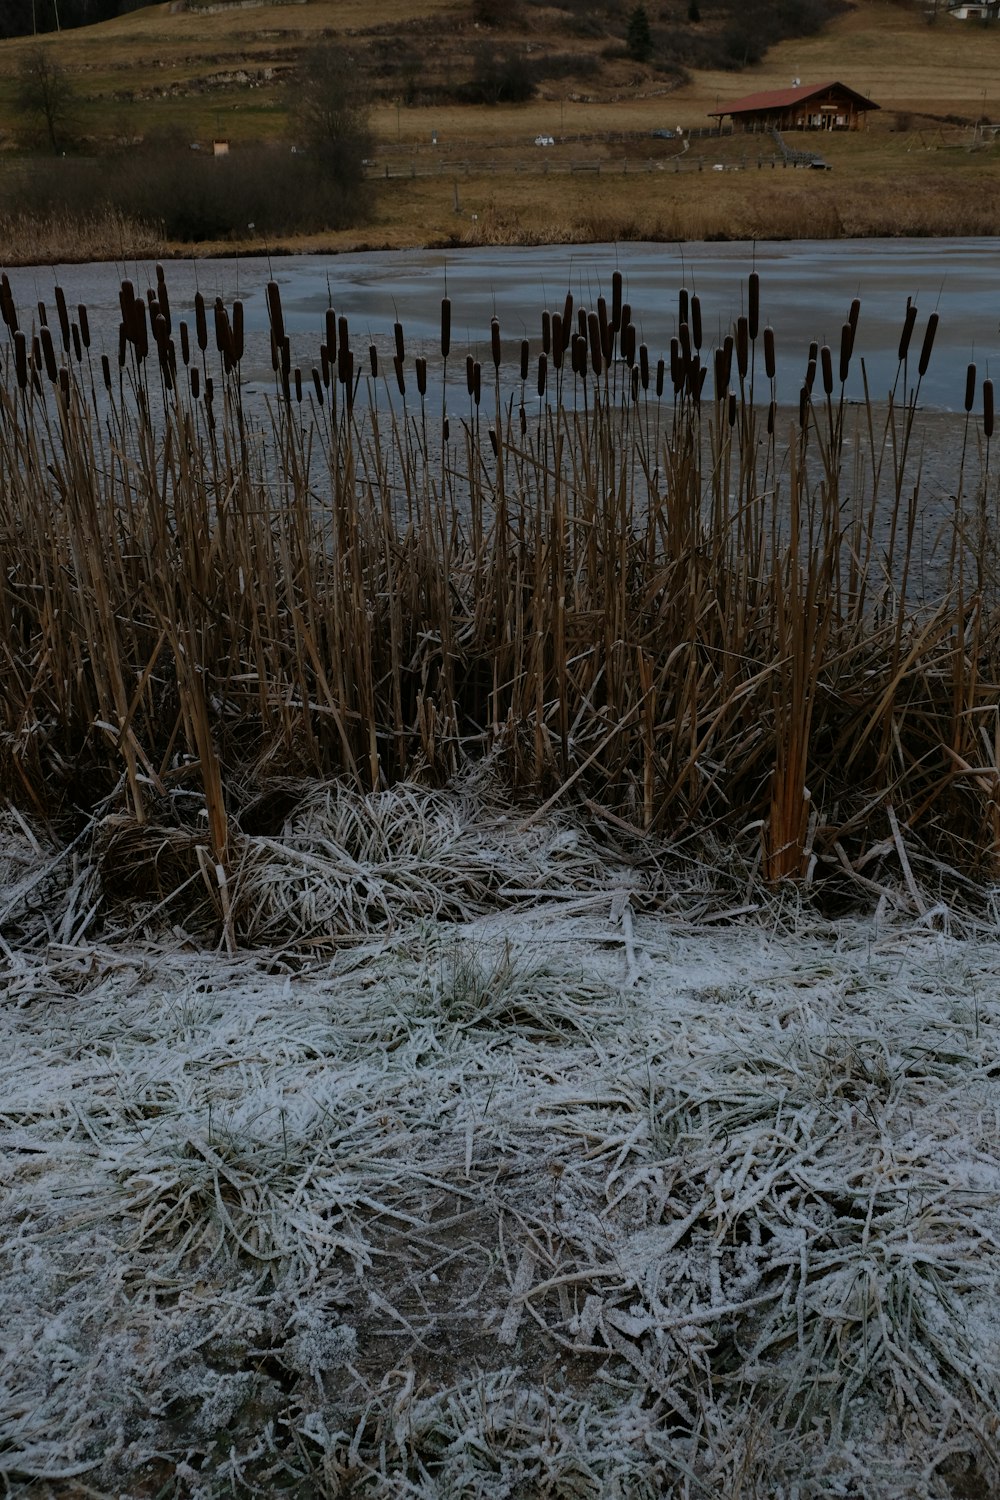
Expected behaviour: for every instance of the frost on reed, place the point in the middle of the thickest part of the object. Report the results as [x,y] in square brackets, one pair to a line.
[634,581]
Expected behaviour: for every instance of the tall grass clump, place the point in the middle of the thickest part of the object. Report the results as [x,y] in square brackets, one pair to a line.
[635,580]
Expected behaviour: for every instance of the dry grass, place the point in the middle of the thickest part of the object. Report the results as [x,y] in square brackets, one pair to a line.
[693,615]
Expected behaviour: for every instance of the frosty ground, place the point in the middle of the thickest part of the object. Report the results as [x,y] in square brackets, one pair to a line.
[507,1163]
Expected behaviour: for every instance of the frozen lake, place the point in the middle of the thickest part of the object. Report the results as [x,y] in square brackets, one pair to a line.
[806,290]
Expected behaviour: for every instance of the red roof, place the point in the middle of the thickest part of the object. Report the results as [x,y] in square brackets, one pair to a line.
[784,98]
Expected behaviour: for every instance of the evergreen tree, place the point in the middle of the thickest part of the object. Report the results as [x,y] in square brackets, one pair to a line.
[639,38]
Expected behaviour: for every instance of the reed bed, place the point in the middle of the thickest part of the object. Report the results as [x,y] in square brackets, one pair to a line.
[631,580]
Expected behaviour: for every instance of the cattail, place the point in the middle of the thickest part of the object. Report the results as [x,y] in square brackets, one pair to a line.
[546,331]
[161,337]
[373,360]
[604,328]
[162,296]
[445,327]
[324,365]
[495,342]
[644,366]
[684,336]
[8,311]
[696,322]
[84,322]
[753,304]
[683,314]
[420,364]
[195,381]
[579,354]
[618,319]
[928,344]
[141,333]
[558,343]
[445,430]
[122,345]
[210,390]
[567,320]
[491,434]
[987,408]
[77,346]
[852,318]
[803,405]
[769,361]
[286,357]
[626,315]
[594,331]
[275,353]
[470,366]
[397,329]
[581,321]
[185,344]
[907,333]
[628,343]
[477,382]
[810,376]
[344,359]
[397,365]
[525,356]
[732,410]
[720,375]
[298,385]
[727,354]
[201,323]
[237,330]
[274,313]
[677,362]
[63,316]
[126,300]
[522,420]
[634,382]
[742,346]
[660,372]
[542,371]
[21,358]
[771,414]
[826,360]
[106,371]
[43,317]
[970,387]
[330,319]
[846,349]
[317,385]
[223,333]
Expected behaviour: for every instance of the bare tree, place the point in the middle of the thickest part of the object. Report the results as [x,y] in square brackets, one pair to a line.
[333,107]
[46,94]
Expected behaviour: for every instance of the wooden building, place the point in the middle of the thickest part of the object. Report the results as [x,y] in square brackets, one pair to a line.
[810,106]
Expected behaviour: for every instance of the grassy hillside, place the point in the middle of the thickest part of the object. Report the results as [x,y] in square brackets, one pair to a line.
[196,74]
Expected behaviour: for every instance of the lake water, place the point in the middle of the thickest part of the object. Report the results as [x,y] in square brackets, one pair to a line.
[806,290]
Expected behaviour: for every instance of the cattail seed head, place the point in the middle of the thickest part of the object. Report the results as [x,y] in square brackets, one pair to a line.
[106,371]
[846,349]
[618,319]
[445,327]
[470,365]
[373,361]
[477,382]
[542,371]
[21,358]
[495,348]
[201,323]
[420,365]
[907,333]
[546,331]
[274,313]
[63,316]
[195,382]
[987,408]
[397,329]
[696,322]
[397,365]
[769,361]
[970,387]
[928,344]
[237,331]
[826,361]
[525,356]
[594,331]
[660,372]
[644,366]
[742,346]
[753,304]
[185,344]
[84,322]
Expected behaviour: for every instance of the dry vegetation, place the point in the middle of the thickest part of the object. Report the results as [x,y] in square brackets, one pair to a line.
[625,577]
[157,76]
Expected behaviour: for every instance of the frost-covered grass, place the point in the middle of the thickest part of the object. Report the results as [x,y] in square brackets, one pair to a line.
[566,1197]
